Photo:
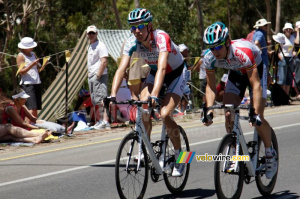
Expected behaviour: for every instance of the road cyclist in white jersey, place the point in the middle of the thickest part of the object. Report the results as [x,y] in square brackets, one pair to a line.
[167,68]
[243,59]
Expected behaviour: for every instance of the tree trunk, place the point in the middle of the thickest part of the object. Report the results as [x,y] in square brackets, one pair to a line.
[117,14]
[200,26]
[268,19]
[228,16]
[51,13]
[137,3]
[277,28]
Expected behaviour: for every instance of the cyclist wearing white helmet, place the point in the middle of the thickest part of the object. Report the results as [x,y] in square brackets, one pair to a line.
[246,68]
[167,67]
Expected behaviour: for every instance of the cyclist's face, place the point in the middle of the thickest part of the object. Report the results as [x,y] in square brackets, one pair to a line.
[220,52]
[140,30]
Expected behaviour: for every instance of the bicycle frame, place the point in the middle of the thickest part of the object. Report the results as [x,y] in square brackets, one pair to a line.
[240,141]
[143,137]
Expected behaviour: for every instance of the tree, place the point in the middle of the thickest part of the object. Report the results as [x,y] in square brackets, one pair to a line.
[277,27]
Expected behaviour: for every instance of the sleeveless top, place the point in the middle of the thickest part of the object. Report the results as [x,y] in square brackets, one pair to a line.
[32,76]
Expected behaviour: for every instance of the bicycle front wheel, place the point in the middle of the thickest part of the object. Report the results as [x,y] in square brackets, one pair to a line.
[264,185]
[176,184]
[228,184]
[131,182]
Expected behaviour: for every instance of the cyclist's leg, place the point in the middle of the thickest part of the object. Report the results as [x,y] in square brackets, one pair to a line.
[234,93]
[167,108]
[173,96]
[264,130]
[147,117]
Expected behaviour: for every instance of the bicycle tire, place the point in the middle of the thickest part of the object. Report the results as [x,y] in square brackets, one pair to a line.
[126,180]
[176,184]
[237,182]
[266,189]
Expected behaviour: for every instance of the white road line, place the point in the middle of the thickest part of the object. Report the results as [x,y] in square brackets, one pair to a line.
[111,161]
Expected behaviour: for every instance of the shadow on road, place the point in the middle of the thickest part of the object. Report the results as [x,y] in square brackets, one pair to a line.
[281,194]
[189,193]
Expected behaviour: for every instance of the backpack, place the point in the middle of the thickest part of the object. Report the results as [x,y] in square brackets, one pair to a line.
[250,35]
[279,97]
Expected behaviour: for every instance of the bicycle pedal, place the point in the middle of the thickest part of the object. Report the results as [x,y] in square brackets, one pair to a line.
[252,143]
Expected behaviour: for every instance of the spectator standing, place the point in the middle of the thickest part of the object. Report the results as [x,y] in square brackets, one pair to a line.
[97,75]
[136,73]
[202,75]
[182,106]
[297,58]
[259,38]
[285,58]
[30,78]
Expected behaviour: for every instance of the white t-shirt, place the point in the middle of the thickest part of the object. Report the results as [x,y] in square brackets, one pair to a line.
[32,76]
[202,72]
[287,48]
[96,51]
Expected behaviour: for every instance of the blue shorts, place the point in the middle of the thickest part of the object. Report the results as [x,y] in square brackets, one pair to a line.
[285,75]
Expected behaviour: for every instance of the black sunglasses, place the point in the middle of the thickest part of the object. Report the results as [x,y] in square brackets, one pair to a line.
[91,33]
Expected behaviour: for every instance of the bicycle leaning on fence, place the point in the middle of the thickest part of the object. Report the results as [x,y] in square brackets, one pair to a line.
[137,155]
[229,175]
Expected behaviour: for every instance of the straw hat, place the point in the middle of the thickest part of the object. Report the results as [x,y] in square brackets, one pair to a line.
[27,43]
[261,22]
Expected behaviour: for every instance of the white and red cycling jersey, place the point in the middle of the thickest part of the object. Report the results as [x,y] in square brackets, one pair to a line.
[243,56]
[160,42]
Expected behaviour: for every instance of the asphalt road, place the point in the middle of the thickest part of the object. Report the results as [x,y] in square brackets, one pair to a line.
[85,168]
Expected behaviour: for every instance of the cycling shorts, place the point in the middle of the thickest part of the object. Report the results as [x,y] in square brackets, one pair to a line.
[237,83]
[174,81]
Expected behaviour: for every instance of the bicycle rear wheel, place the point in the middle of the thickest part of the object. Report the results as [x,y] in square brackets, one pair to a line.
[176,184]
[264,185]
[131,183]
[228,184]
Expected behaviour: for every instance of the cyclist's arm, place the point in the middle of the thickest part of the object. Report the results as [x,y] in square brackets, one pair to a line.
[160,74]
[119,75]
[257,90]
[210,91]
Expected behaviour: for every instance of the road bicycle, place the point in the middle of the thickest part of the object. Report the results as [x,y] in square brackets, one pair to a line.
[229,181]
[132,171]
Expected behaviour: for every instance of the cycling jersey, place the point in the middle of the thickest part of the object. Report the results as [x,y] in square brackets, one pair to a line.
[243,56]
[160,42]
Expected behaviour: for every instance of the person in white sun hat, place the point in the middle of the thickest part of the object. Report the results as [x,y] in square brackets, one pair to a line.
[297,59]
[286,41]
[30,78]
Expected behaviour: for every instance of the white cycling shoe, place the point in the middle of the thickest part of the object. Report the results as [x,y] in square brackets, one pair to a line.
[271,164]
